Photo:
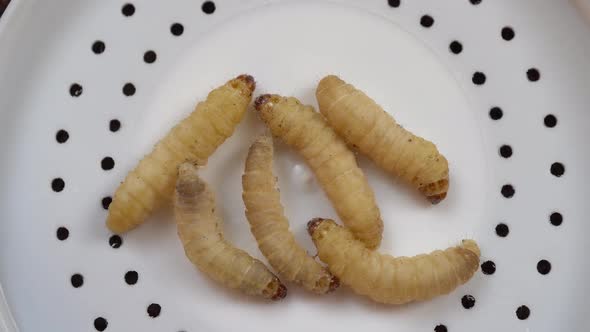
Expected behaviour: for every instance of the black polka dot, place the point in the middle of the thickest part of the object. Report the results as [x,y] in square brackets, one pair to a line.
[468,301]
[150,56]
[488,267]
[107,163]
[62,136]
[106,202]
[129,89]
[502,230]
[115,241]
[426,21]
[544,267]
[507,191]
[496,113]
[98,47]
[128,9]
[131,277]
[533,74]
[177,29]
[523,312]
[550,121]
[394,3]
[555,218]
[76,90]
[505,151]
[58,184]
[100,324]
[475,2]
[114,125]
[507,33]
[77,280]
[208,7]
[440,328]
[154,310]
[62,233]
[478,78]
[456,47]
[557,169]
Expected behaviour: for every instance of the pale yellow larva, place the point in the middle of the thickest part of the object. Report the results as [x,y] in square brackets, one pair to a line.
[151,183]
[200,230]
[270,227]
[374,132]
[390,280]
[333,164]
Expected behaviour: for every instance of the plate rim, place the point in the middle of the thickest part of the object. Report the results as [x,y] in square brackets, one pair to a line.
[7,322]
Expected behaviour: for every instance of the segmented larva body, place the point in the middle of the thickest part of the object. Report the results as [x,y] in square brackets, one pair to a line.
[199,229]
[390,280]
[270,227]
[333,164]
[195,138]
[374,132]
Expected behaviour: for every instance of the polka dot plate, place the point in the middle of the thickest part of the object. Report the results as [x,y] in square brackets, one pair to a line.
[87,88]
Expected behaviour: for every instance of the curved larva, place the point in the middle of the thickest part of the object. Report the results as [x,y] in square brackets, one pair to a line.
[270,227]
[390,280]
[333,164]
[195,138]
[374,132]
[199,229]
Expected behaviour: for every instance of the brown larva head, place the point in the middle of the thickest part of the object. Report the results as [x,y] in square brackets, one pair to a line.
[280,294]
[261,101]
[245,84]
[334,283]
[313,224]
[437,191]
[248,80]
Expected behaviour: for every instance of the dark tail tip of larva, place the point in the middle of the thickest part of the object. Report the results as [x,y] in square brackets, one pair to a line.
[249,80]
[280,294]
[435,199]
[261,101]
[313,224]
[334,284]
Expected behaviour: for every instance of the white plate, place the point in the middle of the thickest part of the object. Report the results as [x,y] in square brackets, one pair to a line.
[46,46]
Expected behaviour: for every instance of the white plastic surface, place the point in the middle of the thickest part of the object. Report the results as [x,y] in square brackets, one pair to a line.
[288,47]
